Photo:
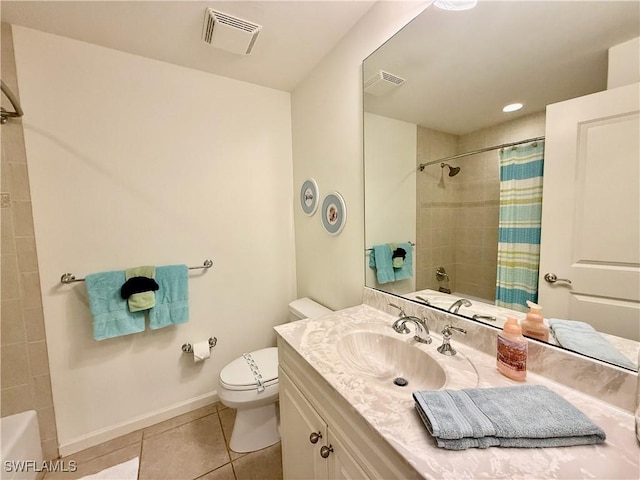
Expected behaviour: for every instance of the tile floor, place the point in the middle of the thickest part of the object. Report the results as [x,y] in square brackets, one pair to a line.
[188,447]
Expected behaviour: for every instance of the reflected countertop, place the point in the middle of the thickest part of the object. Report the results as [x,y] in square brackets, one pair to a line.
[394,418]
[628,348]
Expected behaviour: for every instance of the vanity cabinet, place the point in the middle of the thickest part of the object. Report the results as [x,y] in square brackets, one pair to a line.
[309,449]
[312,411]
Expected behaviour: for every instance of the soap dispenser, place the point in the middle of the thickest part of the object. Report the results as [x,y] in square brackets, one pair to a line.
[533,325]
[511,359]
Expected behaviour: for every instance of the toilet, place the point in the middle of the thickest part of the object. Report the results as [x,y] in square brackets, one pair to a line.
[250,384]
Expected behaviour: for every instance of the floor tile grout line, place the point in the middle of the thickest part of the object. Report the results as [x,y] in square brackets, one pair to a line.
[175,426]
[233,469]
[140,459]
[226,442]
[92,459]
[143,437]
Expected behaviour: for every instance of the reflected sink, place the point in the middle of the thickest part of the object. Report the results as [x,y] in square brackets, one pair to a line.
[385,359]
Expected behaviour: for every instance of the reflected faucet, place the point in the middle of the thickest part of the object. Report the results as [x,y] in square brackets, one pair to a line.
[463,302]
[422,333]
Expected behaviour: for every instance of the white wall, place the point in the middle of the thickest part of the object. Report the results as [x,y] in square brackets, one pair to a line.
[624,64]
[390,147]
[327,146]
[133,162]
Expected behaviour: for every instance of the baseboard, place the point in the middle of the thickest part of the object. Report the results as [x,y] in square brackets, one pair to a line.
[109,433]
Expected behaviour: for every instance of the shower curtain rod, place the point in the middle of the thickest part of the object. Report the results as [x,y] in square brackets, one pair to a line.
[4,114]
[474,152]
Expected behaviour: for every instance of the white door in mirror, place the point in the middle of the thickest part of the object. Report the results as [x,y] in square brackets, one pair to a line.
[591,186]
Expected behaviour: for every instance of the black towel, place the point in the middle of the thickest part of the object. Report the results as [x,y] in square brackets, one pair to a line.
[138,285]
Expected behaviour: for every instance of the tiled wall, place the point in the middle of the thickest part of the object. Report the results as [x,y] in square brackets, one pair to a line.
[435,210]
[25,382]
[458,216]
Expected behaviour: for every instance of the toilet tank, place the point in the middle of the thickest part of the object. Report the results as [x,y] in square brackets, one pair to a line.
[306,308]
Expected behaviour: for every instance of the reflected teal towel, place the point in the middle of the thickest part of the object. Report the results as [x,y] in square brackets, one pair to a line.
[406,271]
[380,259]
[583,338]
[172,298]
[111,315]
[524,416]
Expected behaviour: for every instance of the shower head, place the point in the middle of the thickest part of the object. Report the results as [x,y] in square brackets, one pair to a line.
[453,171]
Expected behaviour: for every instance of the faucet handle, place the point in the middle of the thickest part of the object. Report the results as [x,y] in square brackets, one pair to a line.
[402,314]
[446,348]
[447,330]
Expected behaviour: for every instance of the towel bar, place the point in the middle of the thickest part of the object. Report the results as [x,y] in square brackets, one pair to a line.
[409,242]
[188,348]
[71,278]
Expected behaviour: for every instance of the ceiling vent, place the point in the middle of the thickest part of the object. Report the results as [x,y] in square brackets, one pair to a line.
[229,33]
[382,83]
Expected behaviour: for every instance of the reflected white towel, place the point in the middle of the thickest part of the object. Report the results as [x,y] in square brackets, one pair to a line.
[583,338]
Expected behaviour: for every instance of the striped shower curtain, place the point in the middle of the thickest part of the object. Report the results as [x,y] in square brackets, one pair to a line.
[519,226]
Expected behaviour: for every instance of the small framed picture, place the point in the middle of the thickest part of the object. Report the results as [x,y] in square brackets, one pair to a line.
[309,197]
[334,213]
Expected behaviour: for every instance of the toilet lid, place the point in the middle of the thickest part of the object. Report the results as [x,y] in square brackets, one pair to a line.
[239,373]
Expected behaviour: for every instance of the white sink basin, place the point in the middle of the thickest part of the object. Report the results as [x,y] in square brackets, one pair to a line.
[385,359]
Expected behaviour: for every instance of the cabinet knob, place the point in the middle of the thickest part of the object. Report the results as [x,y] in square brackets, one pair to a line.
[315,436]
[326,451]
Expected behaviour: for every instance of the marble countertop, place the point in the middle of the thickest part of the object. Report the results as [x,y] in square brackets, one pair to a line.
[390,411]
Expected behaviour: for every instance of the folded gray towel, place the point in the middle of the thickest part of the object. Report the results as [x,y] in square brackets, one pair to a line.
[524,416]
[583,338]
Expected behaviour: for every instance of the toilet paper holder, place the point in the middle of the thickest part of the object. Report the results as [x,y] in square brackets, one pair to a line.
[188,348]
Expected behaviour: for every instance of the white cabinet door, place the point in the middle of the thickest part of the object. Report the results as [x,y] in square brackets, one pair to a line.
[590,214]
[298,421]
[342,465]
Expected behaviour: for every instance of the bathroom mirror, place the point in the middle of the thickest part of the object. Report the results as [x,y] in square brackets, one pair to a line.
[436,90]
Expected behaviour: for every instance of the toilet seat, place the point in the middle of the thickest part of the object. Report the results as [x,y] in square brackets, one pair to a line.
[244,388]
[244,372]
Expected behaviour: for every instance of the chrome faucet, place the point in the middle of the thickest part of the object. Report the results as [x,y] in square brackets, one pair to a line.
[446,348]
[422,334]
[463,302]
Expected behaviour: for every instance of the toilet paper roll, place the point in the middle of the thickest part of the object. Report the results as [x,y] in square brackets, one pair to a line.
[201,351]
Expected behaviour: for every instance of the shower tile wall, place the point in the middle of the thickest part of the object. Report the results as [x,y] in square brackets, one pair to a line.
[435,210]
[458,216]
[25,382]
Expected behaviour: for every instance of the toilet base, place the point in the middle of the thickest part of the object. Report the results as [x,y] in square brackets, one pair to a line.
[255,429]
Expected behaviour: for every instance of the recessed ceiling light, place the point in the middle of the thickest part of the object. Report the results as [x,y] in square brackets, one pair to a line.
[512,107]
[455,4]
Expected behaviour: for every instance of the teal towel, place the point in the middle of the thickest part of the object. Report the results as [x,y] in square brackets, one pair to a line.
[380,259]
[583,338]
[172,298]
[406,271]
[111,315]
[525,416]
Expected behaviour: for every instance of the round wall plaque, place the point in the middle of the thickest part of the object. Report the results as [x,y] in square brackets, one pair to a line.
[309,197]
[334,213]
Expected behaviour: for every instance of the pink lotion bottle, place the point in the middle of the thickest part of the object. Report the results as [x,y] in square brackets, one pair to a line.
[511,359]
[533,325]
